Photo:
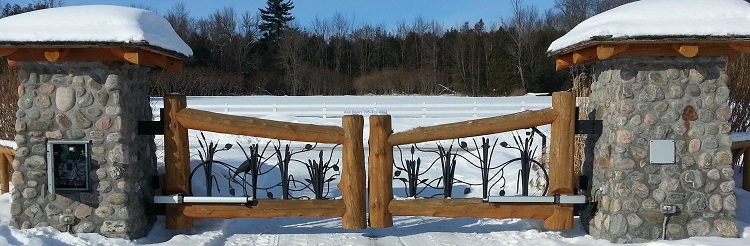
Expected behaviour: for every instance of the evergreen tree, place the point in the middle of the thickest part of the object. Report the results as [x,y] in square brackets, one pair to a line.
[275,18]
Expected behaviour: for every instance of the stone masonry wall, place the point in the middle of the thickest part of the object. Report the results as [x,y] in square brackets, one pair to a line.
[96,101]
[671,98]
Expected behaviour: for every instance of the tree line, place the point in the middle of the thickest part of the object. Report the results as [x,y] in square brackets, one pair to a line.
[268,52]
[252,53]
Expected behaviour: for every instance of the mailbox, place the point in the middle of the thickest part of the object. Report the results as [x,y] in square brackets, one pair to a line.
[68,165]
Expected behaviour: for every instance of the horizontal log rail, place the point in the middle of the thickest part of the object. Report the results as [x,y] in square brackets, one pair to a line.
[468,208]
[268,209]
[477,127]
[248,126]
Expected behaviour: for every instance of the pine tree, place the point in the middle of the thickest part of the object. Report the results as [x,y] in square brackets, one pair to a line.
[275,18]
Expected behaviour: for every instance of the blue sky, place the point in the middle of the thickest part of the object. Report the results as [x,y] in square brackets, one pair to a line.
[450,13]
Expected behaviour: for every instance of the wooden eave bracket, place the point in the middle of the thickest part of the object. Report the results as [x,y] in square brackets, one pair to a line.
[132,55]
[686,50]
[577,57]
[608,51]
[54,55]
[148,58]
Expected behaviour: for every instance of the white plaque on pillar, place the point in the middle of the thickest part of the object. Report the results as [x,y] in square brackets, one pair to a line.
[662,152]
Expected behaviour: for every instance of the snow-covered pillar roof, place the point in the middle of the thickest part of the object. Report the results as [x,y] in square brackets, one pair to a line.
[93,33]
[686,28]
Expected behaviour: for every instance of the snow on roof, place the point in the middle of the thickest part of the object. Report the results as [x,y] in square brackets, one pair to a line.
[91,24]
[659,19]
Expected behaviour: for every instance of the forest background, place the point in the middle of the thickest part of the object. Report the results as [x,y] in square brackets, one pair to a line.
[267,52]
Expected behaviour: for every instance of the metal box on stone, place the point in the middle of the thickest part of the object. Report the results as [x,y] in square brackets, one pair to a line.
[662,166]
[94,102]
[80,165]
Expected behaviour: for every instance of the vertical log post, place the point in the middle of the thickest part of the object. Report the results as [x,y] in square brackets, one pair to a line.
[353,176]
[561,179]
[4,173]
[380,169]
[176,161]
[746,169]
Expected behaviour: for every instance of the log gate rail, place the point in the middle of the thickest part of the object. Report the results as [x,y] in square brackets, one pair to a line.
[558,216]
[178,119]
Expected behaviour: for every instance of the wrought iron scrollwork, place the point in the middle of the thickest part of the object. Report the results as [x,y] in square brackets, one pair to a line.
[532,173]
[321,171]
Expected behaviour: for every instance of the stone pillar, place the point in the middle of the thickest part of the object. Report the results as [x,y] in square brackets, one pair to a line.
[662,98]
[97,101]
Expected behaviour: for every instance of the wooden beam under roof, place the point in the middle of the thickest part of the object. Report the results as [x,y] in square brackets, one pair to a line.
[605,51]
[134,55]
[7,51]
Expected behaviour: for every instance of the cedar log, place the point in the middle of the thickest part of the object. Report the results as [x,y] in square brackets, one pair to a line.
[477,127]
[176,161]
[7,155]
[562,134]
[10,158]
[249,126]
[4,174]
[268,209]
[740,144]
[380,170]
[607,51]
[687,50]
[353,175]
[468,207]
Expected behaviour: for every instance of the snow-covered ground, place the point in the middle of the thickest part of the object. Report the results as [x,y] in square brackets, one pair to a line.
[408,230]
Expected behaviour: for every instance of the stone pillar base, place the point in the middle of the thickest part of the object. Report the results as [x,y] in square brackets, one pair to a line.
[90,101]
[662,98]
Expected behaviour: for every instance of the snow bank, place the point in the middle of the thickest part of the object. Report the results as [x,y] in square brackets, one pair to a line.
[662,18]
[93,23]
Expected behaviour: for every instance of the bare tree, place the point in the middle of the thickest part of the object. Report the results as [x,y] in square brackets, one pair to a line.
[341,28]
[568,13]
[572,12]
[291,51]
[520,27]
[739,92]
[180,19]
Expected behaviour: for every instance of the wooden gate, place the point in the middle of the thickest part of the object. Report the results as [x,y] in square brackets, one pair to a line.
[352,207]
[380,167]
[178,119]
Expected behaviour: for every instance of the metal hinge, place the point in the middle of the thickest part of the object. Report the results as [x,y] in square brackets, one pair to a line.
[590,126]
[152,127]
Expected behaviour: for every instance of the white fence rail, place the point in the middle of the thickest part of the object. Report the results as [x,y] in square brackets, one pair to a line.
[329,110]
